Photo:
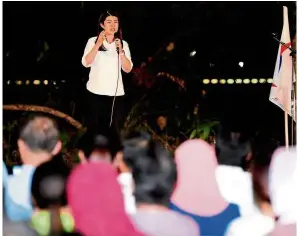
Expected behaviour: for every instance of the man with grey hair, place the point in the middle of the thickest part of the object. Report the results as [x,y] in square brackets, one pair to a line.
[38,143]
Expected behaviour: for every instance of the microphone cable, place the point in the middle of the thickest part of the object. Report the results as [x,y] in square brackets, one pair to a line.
[112,108]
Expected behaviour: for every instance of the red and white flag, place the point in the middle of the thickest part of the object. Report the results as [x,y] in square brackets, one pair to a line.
[280,93]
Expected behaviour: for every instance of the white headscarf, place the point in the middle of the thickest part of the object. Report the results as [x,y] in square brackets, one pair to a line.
[282,185]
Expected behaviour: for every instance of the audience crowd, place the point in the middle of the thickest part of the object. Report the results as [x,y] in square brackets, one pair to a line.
[233,188]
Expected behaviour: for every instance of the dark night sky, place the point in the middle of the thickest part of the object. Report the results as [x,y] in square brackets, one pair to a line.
[222,33]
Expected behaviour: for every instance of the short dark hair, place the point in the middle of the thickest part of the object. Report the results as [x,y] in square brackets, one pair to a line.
[92,141]
[153,168]
[40,134]
[48,183]
[232,148]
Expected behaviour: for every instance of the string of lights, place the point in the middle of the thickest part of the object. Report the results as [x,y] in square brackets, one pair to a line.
[175,79]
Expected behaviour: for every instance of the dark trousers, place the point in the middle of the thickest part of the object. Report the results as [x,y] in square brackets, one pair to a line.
[98,113]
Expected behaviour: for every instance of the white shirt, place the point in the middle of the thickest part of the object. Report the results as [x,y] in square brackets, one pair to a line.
[18,192]
[126,182]
[235,186]
[105,69]
[251,225]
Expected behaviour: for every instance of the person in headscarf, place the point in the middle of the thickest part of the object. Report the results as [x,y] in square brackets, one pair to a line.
[197,193]
[154,173]
[274,188]
[282,187]
[96,148]
[96,201]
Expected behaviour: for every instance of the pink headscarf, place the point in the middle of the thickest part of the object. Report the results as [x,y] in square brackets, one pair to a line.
[96,201]
[282,186]
[197,190]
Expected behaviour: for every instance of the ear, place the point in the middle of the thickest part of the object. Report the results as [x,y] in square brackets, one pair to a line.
[102,26]
[57,148]
[22,147]
[20,144]
[82,157]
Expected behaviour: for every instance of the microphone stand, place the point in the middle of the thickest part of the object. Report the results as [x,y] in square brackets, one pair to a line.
[293,95]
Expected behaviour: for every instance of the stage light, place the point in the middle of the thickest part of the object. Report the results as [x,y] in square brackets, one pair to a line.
[238,81]
[262,80]
[45,82]
[206,81]
[62,81]
[214,81]
[192,54]
[270,81]
[27,82]
[230,81]
[54,82]
[254,81]
[8,82]
[222,81]
[36,82]
[19,82]
[246,81]
[241,64]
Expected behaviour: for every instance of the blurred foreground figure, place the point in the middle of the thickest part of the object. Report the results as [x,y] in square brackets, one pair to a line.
[197,193]
[95,147]
[280,219]
[283,185]
[11,228]
[154,174]
[96,201]
[38,143]
[233,151]
[52,216]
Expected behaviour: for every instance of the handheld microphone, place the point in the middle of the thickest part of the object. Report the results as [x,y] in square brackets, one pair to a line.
[117,48]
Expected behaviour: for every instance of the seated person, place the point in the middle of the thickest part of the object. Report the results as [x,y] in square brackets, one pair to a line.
[96,201]
[154,174]
[233,150]
[197,194]
[38,143]
[11,228]
[52,215]
[282,188]
[95,147]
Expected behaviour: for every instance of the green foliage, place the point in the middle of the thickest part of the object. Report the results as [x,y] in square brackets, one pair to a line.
[203,130]
[10,126]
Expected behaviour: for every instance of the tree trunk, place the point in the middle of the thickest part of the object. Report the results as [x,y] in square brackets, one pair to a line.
[34,108]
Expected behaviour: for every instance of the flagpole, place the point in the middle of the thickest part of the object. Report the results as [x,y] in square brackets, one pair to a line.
[293,101]
[286,130]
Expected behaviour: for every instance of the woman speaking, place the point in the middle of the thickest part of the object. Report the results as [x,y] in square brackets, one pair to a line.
[106,55]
